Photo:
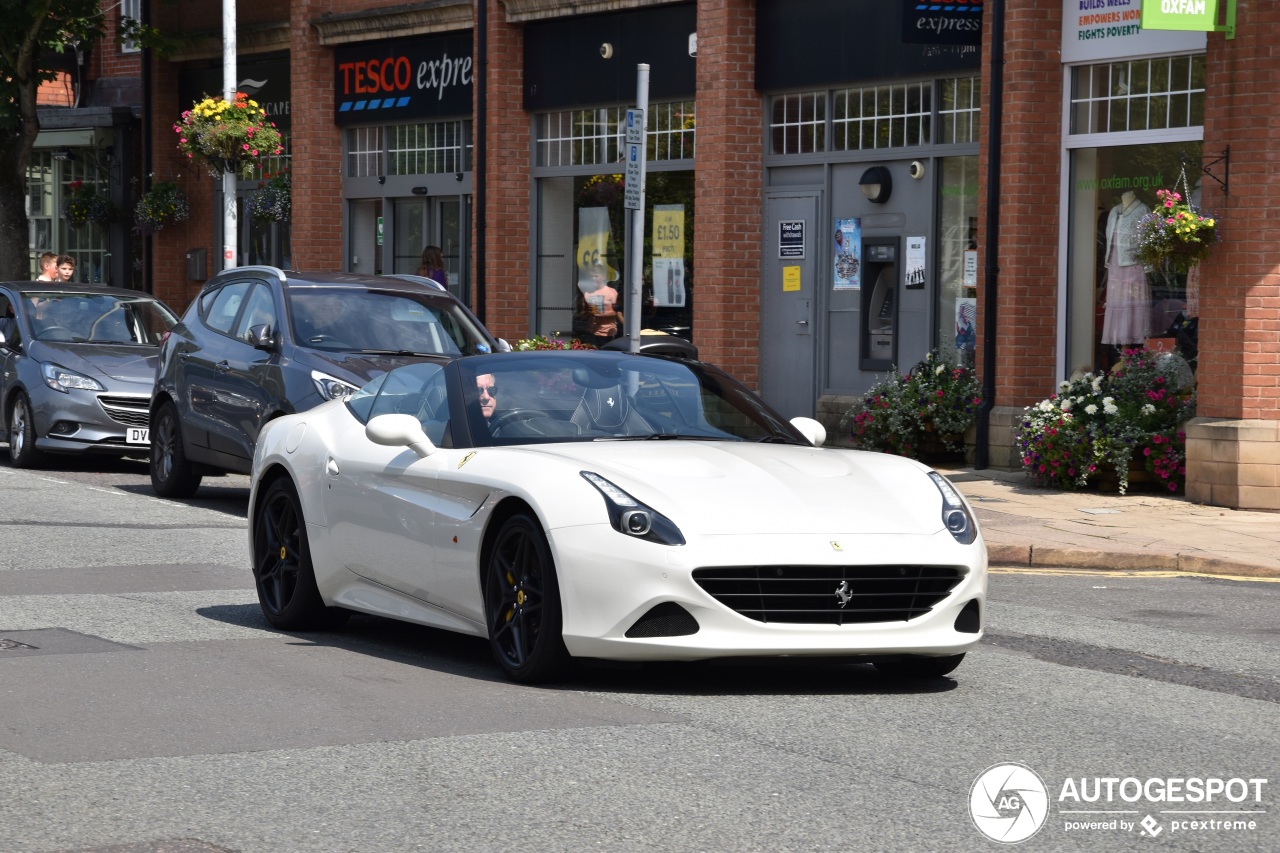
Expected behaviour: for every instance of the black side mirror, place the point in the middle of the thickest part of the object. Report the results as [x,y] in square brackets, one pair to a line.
[261,337]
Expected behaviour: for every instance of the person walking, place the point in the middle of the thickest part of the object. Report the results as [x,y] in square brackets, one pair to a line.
[66,267]
[432,265]
[48,267]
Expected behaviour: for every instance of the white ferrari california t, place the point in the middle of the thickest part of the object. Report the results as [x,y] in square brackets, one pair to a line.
[577,504]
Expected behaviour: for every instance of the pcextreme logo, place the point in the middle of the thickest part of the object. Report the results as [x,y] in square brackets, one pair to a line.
[1010,802]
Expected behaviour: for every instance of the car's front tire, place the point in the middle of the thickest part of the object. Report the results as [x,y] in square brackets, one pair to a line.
[522,603]
[282,568]
[919,666]
[22,434]
[172,476]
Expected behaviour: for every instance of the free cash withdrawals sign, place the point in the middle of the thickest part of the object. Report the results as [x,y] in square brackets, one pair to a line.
[1199,16]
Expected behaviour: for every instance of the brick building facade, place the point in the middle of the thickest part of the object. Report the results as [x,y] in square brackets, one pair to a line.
[799,106]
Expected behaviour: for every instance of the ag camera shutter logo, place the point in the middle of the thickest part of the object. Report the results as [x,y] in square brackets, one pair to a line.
[1009,803]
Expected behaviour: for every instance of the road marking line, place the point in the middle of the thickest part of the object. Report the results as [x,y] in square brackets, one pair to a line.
[1124,573]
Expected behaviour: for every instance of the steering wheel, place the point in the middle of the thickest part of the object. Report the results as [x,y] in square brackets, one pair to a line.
[60,333]
[328,339]
[511,416]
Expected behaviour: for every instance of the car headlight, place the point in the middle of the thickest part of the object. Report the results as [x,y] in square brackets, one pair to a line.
[60,379]
[955,515]
[629,516]
[330,387]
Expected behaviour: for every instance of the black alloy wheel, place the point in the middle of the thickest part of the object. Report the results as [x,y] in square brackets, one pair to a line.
[919,666]
[172,476]
[282,569]
[22,434]
[522,603]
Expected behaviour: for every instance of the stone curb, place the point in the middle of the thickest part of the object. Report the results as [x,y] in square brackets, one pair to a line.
[1037,557]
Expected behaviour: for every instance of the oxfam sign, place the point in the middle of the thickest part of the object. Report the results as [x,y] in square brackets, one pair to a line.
[1194,15]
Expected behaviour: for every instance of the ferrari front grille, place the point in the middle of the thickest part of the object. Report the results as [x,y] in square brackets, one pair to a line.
[829,595]
[130,411]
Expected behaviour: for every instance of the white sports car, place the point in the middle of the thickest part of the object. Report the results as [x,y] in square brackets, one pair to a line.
[605,505]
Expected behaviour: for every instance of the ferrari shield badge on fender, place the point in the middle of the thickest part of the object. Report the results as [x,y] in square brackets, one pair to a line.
[464,460]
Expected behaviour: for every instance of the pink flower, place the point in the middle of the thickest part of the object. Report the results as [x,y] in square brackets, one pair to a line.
[245,146]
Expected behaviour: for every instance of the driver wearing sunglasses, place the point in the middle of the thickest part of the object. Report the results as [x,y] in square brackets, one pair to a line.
[488,388]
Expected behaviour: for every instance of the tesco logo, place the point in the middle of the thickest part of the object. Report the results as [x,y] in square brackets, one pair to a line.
[395,75]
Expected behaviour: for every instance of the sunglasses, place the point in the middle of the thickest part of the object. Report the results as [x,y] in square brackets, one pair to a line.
[491,390]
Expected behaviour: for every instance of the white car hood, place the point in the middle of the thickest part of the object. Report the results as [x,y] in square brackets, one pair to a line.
[721,488]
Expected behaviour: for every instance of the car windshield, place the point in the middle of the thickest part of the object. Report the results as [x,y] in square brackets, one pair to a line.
[521,398]
[98,318]
[382,321]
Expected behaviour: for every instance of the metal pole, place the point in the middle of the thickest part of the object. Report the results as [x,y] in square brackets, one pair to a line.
[230,232]
[991,271]
[636,283]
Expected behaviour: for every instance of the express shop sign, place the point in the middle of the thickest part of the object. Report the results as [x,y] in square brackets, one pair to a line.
[403,79]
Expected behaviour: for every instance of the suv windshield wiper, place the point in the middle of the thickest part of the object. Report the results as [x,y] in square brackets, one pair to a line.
[400,352]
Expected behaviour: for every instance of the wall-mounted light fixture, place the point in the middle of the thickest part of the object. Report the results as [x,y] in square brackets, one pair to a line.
[64,154]
[876,184]
[606,51]
[421,190]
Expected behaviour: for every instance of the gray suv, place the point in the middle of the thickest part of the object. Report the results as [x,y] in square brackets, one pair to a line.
[260,342]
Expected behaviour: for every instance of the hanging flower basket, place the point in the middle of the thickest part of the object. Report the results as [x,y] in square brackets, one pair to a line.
[228,136]
[273,202]
[83,203]
[1174,235]
[159,206]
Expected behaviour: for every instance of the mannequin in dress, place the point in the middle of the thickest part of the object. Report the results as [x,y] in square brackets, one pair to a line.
[1128,315]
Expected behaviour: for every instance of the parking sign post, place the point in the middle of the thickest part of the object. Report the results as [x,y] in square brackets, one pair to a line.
[633,200]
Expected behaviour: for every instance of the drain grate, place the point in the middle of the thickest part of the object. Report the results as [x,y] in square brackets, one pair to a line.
[54,641]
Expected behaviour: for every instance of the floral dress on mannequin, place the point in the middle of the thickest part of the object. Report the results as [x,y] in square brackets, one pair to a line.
[1128,315]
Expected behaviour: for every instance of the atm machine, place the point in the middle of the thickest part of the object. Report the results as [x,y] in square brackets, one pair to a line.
[880,273]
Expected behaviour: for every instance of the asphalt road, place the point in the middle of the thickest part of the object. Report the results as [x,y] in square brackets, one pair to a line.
[145,706]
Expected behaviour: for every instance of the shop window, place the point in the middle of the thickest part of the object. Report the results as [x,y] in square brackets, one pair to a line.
[581,246]
[428,148]
[1114,303]
[892,116]
[1160,93]
[798,123]
[957,258]
[364,152]
[595,137]
[959,105]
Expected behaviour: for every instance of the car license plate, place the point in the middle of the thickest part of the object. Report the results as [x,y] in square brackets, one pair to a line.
[137,435]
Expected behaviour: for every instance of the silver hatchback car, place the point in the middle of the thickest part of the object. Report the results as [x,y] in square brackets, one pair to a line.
[77,364]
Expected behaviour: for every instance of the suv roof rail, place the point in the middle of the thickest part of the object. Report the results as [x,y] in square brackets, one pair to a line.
[275,272]
[418,279]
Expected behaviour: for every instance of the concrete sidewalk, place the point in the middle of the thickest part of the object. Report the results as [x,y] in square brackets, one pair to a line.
[1028,526]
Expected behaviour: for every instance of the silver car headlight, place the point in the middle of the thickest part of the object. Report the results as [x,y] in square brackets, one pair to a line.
[629,516]
[955,515]
[330,387]
[60,379]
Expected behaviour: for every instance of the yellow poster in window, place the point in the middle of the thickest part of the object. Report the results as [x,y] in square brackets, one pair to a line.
[668,231]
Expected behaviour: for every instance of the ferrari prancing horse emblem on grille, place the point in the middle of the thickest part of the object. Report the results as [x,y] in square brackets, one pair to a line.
[835,546]
[844,593]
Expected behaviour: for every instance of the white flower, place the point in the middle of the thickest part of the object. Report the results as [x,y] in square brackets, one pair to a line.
[1045,406]
[1109,407]
[1148,409]
[938,371]
[1062,386]
[1066,404]
[1091,409]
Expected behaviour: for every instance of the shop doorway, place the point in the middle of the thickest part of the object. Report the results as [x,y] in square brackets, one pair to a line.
[788,303]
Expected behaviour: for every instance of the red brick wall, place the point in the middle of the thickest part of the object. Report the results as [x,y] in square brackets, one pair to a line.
[1026,287]
[1239,365]
[108,60]
[316,234]
[728,183]
[507,248]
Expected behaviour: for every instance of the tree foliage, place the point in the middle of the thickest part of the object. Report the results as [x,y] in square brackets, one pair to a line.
[33,31]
